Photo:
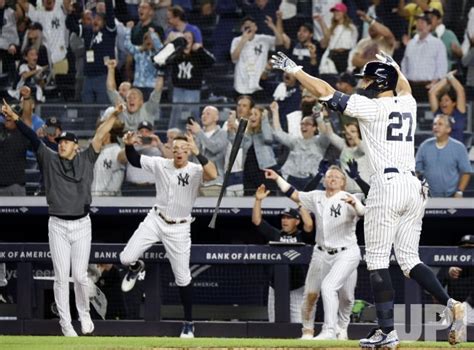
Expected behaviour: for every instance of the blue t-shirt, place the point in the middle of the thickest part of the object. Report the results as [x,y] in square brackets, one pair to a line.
[459,126]
[443,167]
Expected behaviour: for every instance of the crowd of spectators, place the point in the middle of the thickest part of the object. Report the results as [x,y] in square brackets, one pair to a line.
[49,46]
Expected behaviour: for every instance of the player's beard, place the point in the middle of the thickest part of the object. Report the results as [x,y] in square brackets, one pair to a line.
[370,93]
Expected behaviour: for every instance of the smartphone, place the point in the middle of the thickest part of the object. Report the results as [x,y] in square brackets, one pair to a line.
[146,140]
[191,120]
[106,59]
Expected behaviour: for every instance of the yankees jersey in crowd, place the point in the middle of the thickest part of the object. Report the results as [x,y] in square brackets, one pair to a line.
[108,172]
[335,219]
[176,189]
[54,29]
[187,70]
[383,122]
[251,62]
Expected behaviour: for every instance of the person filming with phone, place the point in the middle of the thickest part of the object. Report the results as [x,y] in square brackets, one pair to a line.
[139,182]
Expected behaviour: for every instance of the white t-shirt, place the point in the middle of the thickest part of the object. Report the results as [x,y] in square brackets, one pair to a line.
[108,172]
[176,189]
[54,29]
[387,126]
[335,219]
[251,63]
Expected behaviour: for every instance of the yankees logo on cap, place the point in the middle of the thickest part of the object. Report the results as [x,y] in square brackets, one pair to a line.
[69,136]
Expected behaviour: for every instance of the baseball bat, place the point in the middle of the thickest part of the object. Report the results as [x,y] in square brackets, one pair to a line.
[233,154]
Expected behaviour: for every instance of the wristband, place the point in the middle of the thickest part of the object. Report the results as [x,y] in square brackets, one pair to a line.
[290,191]
[203,160]
[282,184]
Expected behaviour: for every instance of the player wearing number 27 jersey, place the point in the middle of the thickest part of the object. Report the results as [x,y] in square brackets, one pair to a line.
[386,111]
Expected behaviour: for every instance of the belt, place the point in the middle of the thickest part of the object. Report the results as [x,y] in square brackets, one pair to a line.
[331,251]
[395,170]
[171,222]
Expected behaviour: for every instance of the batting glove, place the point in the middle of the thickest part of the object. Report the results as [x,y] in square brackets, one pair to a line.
[385,58]
[281,61]
[353,170]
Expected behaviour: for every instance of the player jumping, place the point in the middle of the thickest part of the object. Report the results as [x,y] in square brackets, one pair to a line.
[386,111]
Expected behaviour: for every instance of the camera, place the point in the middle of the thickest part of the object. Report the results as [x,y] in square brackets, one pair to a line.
[146,140]
[191,120]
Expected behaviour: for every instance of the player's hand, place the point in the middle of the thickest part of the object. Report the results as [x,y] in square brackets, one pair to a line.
[281,61]
[353,170]
[454,272]
[130,138]
[385,58]
[271,174]
[323,167]
[261,193]
[349,200]
[191,144]
[8,111]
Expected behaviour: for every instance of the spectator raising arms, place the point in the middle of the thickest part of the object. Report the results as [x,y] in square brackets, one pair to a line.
[448,97]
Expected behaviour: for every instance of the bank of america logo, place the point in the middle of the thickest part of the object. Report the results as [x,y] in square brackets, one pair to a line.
[291,254]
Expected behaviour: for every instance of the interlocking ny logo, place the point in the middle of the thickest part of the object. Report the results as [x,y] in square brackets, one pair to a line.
[336,211]
[185,70]
[183,180]
[291,254]
[55,23]
[107,163]
[258,50]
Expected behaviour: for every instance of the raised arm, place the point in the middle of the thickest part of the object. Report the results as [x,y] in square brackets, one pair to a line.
[260,195]
[110,83]
[403,86]
[287,189]
[210,170]
[433,94]
[460,92]
[110,16]
[326,33]
[286,41]
[308,225]
[316,86]
[235,52]
[24,129]
[105,127]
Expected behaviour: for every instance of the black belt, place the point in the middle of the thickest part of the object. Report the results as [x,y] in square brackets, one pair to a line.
[395,170]
[171,222]
[331,251]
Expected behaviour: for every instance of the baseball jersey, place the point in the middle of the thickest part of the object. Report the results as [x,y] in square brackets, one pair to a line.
[387,126]
[176,188]
[335,219]
[54,29]
[108,172]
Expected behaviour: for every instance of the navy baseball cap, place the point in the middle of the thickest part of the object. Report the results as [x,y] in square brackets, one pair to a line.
[53,122]
[69,136]
[146,125]
[467,240]
[292,213]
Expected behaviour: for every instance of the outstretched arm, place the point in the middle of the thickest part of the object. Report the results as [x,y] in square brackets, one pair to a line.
[24,129]
[316,86]
[353,172]
[210,170]
[403,86]
[260,195]
[284,186]
[460,92]
[105,127]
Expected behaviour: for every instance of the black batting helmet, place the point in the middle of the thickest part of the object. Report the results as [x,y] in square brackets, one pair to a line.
[385,76]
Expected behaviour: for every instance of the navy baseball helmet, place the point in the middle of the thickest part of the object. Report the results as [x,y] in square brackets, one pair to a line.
[385,76]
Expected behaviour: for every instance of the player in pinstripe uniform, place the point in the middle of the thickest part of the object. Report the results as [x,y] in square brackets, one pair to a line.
[336,255]
[169,221]
[395,205]
[68,175]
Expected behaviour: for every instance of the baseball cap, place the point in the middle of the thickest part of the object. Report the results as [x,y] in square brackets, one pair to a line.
[467,240]
[35,26]
[146,125]
[69,136]
[434,12]
[292,213]
[339,7]
[53,122]
[424,16]
[347,78]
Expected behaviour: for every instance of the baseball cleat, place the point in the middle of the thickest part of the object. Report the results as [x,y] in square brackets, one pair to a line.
[325,335]
[377,339]
[458,331]
[341,333]
[307,334]
[87,326]
[130,278]
[68,331]
[188,330]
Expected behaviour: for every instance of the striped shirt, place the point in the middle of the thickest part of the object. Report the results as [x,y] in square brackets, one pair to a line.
[387,126]
[335,219]
[425,59]
[176,189]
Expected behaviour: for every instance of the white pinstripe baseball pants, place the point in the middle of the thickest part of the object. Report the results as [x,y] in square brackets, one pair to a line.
[334,277]
[70,245]
[177,241]
[394,214]
[296,298]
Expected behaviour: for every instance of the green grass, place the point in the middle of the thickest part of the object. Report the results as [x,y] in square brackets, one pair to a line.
[147,343]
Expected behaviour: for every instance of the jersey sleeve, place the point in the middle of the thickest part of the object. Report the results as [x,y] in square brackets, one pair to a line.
[308,199]
[149,163]
[91,154]
[361,107]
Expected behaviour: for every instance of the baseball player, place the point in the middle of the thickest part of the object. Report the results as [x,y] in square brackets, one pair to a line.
[336,255]
[169,221]
[395,205]
[68,175]
[290,219]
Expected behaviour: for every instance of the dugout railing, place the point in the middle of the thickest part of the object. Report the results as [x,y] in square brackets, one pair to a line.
[281,257]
